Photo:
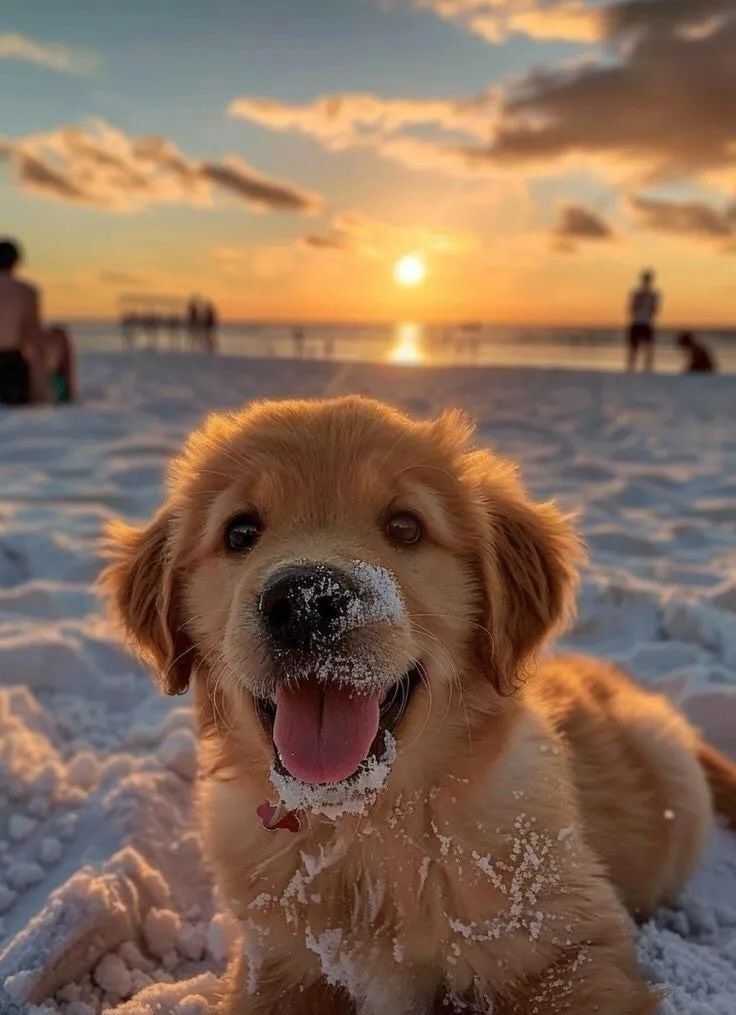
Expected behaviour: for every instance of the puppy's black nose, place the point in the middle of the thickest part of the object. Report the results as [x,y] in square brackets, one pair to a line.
[305,604]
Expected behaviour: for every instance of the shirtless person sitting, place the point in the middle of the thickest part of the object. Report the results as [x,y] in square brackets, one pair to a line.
[22,368]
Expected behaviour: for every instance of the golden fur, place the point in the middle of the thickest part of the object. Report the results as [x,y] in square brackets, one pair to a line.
[529,807]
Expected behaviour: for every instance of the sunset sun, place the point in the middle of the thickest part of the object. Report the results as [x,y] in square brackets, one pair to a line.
[410,271]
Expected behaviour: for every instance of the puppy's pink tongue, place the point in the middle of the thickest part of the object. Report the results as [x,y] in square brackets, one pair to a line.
[322,733]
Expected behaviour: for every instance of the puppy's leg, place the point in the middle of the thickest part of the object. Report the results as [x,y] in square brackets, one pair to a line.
[267,995]
[410,994]
[277,987]
[592,979]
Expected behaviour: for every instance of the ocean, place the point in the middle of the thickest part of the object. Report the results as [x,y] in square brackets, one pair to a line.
[417,345]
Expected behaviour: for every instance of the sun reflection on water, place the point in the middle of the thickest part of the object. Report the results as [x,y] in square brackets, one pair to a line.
[407,348]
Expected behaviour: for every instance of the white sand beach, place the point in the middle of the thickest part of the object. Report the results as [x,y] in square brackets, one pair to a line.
[105,899]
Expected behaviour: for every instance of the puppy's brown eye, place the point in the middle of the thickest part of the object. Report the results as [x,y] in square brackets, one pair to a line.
[242,533]
[405,528]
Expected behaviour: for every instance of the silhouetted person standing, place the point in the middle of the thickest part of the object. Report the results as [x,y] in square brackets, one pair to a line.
[22,367]
[297,337]
[699,358]
[194,322]
[644,305]
[209,328]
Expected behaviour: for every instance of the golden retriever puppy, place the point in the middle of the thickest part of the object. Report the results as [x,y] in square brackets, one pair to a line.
[404,812]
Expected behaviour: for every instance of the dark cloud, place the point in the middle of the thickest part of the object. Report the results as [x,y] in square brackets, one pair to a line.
[38,175]
[333,239]
[242,182]
[658,18]
[667,105]
[578,223]
[692,218]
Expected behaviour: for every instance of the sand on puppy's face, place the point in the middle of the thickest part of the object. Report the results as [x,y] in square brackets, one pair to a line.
[412,604]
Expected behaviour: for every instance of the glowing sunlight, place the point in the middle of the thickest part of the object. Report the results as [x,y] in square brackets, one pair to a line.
[410,270]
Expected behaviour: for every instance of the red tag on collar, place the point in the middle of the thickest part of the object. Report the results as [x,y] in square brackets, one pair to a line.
[274,818]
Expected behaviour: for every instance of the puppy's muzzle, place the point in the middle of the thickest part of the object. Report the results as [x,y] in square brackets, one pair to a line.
[304,606]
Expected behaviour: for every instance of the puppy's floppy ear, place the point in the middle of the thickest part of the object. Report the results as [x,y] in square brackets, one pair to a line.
[529,572]
[140,581]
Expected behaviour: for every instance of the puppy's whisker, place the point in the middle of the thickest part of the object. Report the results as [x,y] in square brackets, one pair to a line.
[174,661]
[218,699]
[218,675]
[455,681]
[466,620]
[452,666]
[427,686]
[193,617]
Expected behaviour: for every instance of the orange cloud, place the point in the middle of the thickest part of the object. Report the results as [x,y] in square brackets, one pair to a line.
[355,119]
[103,168]
[496,20]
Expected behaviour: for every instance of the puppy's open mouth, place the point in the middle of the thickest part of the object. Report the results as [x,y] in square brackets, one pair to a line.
[323,733]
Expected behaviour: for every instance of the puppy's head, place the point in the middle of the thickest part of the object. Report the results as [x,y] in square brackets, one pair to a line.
[345,582]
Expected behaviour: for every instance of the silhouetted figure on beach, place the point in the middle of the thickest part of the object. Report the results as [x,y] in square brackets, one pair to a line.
[698,357]
[22,369]
[299,341]
[194,322]
[644,305]
[129,324]
[60,364]
[209,321]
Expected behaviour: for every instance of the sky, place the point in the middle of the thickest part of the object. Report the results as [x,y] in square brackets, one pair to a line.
[280,157]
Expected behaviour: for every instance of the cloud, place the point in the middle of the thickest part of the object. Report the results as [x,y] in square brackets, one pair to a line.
[101,167]
[354,119]
[238,179]
[642,111]
[628,111]
[52,55]
[690,218]
[496,20]
[354,232]
[331,239]
[40,176]
[686,19]
[578,223]
[582,21]
[364,120]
